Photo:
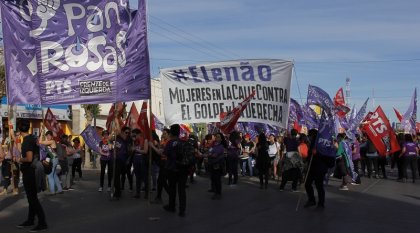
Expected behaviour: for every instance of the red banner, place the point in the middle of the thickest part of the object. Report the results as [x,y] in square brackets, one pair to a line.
[111,116]
[399,116]
[228,119]
[53,125]
[132,118]
[340,104]
[380,132]
[143,122]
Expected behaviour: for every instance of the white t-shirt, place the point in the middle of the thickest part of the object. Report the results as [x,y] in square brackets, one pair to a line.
[272,149]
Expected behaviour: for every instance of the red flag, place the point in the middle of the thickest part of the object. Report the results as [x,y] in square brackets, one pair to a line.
[399,116]
[296,126]
[380,132]
[111,115]
[132,117]
[143,122]
[340,103]
[53,125]
[152,122]
[228,119]
[339,97]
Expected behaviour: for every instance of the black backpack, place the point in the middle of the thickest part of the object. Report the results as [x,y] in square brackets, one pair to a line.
[185,151]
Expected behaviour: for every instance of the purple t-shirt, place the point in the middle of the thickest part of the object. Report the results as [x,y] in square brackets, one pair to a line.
[410,149]
[356,153]
[217,153]
[121,146]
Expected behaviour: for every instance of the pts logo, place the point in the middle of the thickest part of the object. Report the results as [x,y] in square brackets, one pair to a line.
[58,87]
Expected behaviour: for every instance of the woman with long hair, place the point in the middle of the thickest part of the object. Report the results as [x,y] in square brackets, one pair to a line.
[263,160]
[51,145]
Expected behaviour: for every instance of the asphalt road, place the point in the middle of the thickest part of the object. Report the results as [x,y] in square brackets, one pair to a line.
[375,206]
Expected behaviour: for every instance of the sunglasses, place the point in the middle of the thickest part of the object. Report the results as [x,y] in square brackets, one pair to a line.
[127,132]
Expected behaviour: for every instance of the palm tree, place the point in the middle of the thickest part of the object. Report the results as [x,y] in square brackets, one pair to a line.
[91,112]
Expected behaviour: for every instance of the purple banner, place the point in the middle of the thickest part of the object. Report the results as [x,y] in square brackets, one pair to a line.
[317,96]
[90,52]
[409,120]
[19,54]
[324,140]
[91,138]
[311,119]
[355,122]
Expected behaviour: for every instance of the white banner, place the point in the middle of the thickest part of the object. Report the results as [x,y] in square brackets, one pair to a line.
[199,93]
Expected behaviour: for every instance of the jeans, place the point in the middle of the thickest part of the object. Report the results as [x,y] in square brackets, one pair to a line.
[409,161]
[53,179]
[244,165]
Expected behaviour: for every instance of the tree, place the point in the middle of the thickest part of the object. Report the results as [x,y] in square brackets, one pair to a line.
[91,112]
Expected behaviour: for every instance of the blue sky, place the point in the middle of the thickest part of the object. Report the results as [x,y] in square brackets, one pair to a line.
[375,43]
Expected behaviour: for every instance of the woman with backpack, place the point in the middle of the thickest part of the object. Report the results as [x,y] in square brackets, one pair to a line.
[53,179]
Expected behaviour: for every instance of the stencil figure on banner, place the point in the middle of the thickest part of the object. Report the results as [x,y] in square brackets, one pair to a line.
[79,65]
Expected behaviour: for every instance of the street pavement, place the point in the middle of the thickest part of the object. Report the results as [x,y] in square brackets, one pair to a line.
[377,205]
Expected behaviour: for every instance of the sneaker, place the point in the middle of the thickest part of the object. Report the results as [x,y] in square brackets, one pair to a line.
[353,183]
[39,228]
[25,224]
[100,189]
[344,188]
[4,192]
[295,191]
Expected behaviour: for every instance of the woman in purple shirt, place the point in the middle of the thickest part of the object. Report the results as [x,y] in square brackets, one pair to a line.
[216,163]
[409,154]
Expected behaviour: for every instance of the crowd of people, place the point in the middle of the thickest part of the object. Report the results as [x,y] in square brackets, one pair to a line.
[169,163]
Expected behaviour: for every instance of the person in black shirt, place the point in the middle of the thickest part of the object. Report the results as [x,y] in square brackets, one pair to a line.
[30,151]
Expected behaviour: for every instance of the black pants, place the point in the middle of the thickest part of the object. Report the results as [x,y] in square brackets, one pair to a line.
[104,164]
[264,174]
[291,174]
[232,169]
[372,161]
[363,165]
[119,169]
[127,173]
[409,161]
[216,180]
[162,182]
[35,208]
[6,172]
[381,165]
[177,181]
[77,166]
[318,178]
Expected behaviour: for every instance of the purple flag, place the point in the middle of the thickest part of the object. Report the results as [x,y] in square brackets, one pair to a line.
[19,53]
[409,120]
[355,122]
[250,128]
[324,140]
[317,96]
[311,119]
[91,138]
[158,124]
[90,52]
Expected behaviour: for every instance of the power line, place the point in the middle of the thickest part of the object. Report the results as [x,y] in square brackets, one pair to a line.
[198,38]
[194,42]
[183,44]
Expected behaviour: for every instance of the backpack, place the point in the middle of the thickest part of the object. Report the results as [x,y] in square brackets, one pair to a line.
[185,151]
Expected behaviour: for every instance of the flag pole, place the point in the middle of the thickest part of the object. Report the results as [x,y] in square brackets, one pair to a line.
[114,122]
[149,177]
